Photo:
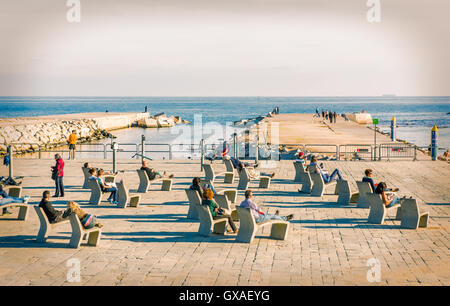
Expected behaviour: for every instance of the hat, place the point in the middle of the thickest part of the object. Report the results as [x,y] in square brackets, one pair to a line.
[300,154]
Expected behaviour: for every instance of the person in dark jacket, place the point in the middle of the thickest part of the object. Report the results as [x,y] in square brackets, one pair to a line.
[58,172]
[152,174]
[52,214]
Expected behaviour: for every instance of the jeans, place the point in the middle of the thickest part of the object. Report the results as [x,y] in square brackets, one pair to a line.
[210,187]
[394,201]
[8,200]
[113,194]
[333,177]
[59,186]
[230,220]
[267,217]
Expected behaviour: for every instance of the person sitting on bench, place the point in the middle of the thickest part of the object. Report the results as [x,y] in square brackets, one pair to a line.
[254,174]
[335,175]
[368,179]
[257,213]
[87,165]
[105,187]
[389,199]
[301,159]
[52,214]
[236,162]
[6,199]
[216,211]
[196,185]
[152,174]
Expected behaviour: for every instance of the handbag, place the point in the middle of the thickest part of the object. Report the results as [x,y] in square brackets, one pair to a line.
[220,211]
[54,174]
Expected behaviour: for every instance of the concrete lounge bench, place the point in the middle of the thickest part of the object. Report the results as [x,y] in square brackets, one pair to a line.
[306,182]
[211,175]
[86,177]
[45,226]
[411,216]
[319,185]
[230,169]
[144,182]
[124,197]
[223,202]
[79,232]
[344,192]
[229,192]
[299,172]
[363,189]
[96,192]
[378,210]
[207,224]
[244,180]
[194,200]
[23,207]
[248,226]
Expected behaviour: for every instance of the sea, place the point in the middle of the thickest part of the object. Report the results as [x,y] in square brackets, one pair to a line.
[415,115]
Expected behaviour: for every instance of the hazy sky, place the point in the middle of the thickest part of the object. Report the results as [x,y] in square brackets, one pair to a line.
[224,48]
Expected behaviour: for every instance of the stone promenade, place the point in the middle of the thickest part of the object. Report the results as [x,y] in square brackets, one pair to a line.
[155,244]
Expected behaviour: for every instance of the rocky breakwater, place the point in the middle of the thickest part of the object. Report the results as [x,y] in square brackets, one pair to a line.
[160,121]
[28,134]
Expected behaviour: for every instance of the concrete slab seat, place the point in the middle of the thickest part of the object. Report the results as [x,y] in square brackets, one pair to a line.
[364,189]
[16,192]
[124,197]
[411,216]
[299,172]
[144,182]
[229,192]
[194,200]
[207,224]
[244,180]
[319,185]
[229,168]
[248,226]
[78,232]
[378,210]
[211,175]
[96,192]
[344,192]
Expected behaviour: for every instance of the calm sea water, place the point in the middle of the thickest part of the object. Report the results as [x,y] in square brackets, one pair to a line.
[415,115]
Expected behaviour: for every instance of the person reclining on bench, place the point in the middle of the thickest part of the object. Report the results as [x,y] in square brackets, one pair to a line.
[335,176]
[216,211]
[196,185]
[237,163]
[257,213]
[6,199]
[389,199]
[105,187]
[87,165]
[373,186]
[254,174]
[152,174]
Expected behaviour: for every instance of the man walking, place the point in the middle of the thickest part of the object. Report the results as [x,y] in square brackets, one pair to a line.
[58,174]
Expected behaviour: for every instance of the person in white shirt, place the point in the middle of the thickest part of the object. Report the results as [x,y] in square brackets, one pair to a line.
[257,213]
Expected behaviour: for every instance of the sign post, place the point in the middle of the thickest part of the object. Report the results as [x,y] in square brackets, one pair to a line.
[375,122]
[434,142]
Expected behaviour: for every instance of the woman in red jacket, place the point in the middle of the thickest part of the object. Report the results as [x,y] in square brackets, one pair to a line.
[58,174]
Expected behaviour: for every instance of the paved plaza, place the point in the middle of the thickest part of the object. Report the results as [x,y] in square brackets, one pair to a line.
[155,244]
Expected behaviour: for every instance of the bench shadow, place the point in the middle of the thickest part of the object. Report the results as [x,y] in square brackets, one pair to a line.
[192,237]
[27,241]
[438,204]
[157,218]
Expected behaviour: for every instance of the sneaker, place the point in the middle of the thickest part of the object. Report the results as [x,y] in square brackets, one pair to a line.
[26,198]
[395,189]
[236,231]
[277,213]
[114,202]
[256,165]
[171,176]
[290,217]
[272,175]
[229,231]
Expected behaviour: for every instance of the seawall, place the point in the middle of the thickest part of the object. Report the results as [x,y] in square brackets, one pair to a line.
[50,131]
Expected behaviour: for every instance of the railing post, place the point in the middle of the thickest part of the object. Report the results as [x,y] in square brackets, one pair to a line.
[202,150]
[415,153]
[257,149]
[114,148]
[39,148]
[10,153]
[235,148]
[170,151]
[105,154]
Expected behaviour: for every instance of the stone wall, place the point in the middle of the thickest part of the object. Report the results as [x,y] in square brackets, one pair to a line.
[54,132]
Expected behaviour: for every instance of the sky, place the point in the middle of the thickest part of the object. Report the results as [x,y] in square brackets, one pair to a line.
[224,48]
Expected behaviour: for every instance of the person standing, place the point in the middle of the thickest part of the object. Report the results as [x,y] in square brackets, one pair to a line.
[57,175]
[335,117]
[72,144]
[331,116]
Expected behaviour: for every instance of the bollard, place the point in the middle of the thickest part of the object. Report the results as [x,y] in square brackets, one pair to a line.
[434,142]
[247,143]
[235,148]
[393,125]
[256,149]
